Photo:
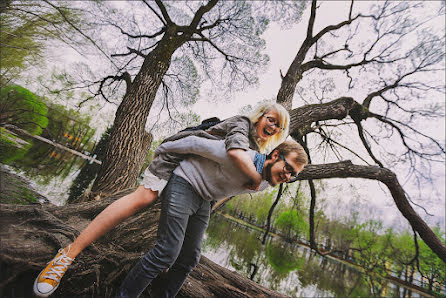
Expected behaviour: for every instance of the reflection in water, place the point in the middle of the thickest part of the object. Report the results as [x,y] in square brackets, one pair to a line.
[287,268]
[50,170]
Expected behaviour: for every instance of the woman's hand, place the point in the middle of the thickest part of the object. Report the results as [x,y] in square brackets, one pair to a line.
[245,164]
[254,184]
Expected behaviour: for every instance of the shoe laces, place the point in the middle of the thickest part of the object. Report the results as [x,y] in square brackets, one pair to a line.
[59,266]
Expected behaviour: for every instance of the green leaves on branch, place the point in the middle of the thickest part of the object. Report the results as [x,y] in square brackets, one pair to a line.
[27,26]
[290,223]
[22,108]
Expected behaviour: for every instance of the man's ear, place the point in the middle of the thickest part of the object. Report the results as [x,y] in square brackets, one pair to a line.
[275,155]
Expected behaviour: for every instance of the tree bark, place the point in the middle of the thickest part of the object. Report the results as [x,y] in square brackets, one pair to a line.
[31,236]
[129,142]
[301,118]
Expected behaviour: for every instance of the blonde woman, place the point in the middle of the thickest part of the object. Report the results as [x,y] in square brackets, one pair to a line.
[263,130]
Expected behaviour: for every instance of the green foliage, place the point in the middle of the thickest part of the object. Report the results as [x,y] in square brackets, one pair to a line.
[19,44]
[365,243]
[11,147]
[255,206]
[290,222]
[69,127]
[26,28]
[22,108]
[283,261]
[430,264]
[16,190]
[40,160]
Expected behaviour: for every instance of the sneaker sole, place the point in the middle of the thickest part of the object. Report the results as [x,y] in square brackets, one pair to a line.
[37,292]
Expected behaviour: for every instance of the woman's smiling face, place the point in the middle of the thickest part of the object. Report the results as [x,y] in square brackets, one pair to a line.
[268,125]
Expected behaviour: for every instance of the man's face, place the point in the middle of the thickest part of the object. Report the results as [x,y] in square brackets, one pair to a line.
[281,171]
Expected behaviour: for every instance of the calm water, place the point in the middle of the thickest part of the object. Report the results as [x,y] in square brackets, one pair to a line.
[289,269]
[49,170]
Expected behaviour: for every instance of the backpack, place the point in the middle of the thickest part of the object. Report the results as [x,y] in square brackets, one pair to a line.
[205,124]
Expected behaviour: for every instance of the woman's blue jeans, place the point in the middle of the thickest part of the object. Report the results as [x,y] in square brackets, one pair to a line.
[183,221]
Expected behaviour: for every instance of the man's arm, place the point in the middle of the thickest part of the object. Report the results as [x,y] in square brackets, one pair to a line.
[211,149]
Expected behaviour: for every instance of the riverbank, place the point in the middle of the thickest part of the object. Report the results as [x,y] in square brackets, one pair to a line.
[17,190]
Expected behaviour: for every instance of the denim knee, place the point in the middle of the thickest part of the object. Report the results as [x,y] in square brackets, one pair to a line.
[188,264]
[160,257]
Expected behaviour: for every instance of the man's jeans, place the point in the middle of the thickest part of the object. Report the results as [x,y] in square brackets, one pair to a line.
[183,221]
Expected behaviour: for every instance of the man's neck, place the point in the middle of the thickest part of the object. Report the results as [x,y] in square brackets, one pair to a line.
[265,167]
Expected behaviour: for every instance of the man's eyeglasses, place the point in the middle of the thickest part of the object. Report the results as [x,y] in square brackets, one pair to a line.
[288,169]
[273,122]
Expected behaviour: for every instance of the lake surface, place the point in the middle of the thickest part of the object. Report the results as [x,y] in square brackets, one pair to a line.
[49,170]
[289,268]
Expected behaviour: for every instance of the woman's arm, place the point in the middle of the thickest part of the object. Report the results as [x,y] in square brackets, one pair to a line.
[244,163]
[237,142]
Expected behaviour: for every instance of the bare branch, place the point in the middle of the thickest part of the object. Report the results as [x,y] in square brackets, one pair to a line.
[139,35]
[80,31]
[332,28]
[368,99]
[131,52]
[270,213]
[319,63]
[403,136]
[227,56]
[311,20]
[166,19]
[365,143]
[200,12]
[350,11]
[330,140]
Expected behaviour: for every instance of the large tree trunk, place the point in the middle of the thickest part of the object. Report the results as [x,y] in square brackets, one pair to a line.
[129,142]
[32,234]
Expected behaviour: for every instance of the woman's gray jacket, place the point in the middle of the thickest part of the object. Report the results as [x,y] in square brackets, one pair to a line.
[238,133]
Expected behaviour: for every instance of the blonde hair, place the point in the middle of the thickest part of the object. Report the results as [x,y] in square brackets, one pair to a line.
[284,121]
[292,146]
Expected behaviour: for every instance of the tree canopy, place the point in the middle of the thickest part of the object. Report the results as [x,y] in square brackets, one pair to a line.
[27,28]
